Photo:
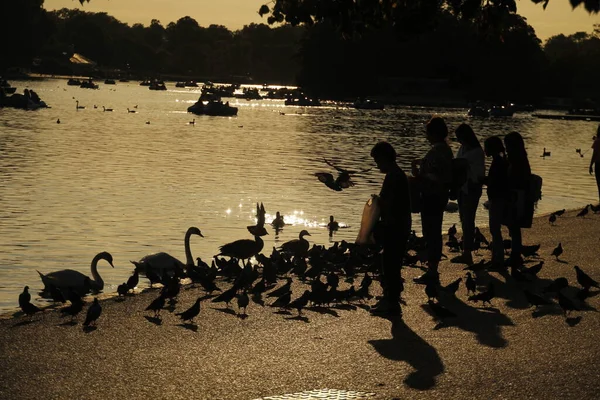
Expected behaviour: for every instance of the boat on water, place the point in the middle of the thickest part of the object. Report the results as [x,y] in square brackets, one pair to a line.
[213,107]
[109,82]
[248,94]
[478,111]
[73,82]
[159,85]
[29,100]
[89,84]
[501,111]
[368,104]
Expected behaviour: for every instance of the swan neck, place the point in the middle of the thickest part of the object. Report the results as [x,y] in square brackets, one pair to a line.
[95,275]
[189,260]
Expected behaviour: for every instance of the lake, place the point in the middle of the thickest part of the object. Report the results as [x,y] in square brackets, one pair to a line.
[108,181]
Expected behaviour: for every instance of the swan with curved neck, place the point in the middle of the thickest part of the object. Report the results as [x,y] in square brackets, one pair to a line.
[79,282]
[160,262]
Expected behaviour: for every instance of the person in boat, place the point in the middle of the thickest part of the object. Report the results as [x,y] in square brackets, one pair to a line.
[393,228]
[433,176]
[470,193]
[596,159]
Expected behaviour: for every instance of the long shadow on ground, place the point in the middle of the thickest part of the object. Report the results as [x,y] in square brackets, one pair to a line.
[406,345]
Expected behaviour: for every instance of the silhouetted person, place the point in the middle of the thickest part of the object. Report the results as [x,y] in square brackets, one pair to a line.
[519,213]
[332,226]
[497,190]
[596,159]
[434,176]
[470,193]
[393,228]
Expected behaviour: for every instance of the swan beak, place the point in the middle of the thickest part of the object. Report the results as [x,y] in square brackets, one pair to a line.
[111,264]
[201,235]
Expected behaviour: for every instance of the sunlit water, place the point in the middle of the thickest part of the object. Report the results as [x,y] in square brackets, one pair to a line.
[108,181]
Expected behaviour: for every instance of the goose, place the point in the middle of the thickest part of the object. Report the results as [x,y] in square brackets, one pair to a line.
[160,262]
[131,111]
[192,122]
[242,249]
[106,109]
[77,106]
[68,278]
[297,247]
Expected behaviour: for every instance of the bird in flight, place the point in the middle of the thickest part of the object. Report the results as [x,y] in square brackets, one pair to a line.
[342,181]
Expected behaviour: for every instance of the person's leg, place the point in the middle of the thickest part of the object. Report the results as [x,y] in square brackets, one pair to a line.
[496,209]
[432,218]
[470,202]
[393,254]
[516,245]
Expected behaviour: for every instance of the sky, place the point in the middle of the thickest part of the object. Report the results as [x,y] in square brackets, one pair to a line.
[558,17]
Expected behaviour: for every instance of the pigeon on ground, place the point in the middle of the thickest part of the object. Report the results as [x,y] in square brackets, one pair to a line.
[93,313]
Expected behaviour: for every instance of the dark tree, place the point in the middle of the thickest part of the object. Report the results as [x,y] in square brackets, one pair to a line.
[406,16]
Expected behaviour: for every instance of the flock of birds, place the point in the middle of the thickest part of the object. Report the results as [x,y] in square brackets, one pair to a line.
[322,270]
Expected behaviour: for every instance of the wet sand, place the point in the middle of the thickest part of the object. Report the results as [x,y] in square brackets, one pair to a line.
[508,350]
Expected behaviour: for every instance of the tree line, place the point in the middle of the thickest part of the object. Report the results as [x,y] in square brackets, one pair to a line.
[452,57]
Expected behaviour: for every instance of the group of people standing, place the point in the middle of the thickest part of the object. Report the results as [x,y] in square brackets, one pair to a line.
[509,190]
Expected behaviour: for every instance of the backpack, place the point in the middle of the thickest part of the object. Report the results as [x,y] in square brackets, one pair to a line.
[460,175]
[535,188]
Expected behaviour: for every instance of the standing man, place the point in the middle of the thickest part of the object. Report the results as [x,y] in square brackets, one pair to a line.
[393,228]
[434,176]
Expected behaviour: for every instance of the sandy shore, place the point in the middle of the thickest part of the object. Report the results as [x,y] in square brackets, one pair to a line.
[505,351]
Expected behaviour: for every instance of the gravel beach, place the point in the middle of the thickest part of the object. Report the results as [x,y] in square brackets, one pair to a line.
[508,350]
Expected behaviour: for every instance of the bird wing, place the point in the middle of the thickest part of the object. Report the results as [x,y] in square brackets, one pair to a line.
[334,166]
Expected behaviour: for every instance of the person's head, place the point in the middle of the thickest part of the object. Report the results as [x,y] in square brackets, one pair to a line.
[493,146]
[384,155]
[515,146]
[437,131]
[466,136]
[331,218]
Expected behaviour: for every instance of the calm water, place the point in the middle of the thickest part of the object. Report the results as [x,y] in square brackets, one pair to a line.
[107,181]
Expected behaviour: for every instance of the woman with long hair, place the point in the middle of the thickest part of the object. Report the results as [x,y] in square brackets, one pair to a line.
[519,213]
[434,176]
[470,193]
[497,191]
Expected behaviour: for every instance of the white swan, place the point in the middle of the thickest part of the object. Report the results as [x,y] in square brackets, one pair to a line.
[68,278]
[161,262]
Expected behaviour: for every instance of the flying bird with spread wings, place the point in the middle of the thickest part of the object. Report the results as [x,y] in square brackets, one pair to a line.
[342,181]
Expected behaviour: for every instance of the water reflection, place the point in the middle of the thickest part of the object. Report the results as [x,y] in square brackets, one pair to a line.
[107,181]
